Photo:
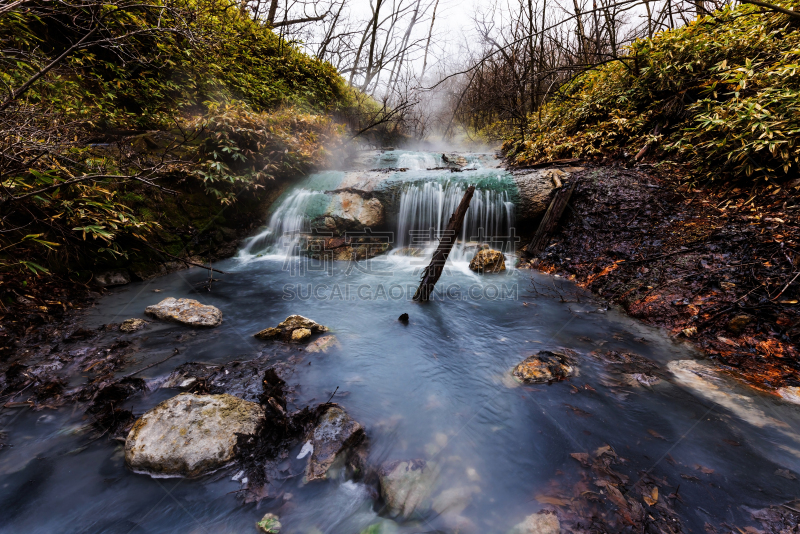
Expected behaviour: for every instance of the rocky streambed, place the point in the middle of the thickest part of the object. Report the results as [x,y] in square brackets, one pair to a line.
[291,398]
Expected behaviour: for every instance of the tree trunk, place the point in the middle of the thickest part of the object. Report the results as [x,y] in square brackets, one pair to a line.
[428,42]
[434,269]
[273,8]
[550,219]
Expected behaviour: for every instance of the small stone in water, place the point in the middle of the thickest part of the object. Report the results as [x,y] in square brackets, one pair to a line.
[403,318]
[323,344]
[185,311]
[301,334]
[270,524]
[129,326]
[307,449]
[543,367]
[541,523]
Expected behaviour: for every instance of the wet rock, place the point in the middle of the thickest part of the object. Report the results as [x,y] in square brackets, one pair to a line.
[107,406]
[323,344]
[341,249]
[113,278]
[454,160]
[709,383]
[403,318]
[488,261]
[335,433]
[406,486]
[270,524]
[189,435]
[790,394]
[454,500]
[130,326]
[350,211]
[185,311]
[535,188]
[545,366]
[412,252]
[286,329]
[300,335]
[739,323]
[541,523]
[241,379]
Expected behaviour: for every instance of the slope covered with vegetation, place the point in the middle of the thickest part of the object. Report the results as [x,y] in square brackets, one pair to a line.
[720,95]
[158,121]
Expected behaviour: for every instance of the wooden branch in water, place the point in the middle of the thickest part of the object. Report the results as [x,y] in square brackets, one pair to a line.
[434,269]
[551,217]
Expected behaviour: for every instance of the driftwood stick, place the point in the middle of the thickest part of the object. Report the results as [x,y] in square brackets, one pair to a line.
[551,217]
[434,269]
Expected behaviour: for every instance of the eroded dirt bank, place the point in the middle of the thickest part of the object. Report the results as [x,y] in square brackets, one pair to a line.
[718,267]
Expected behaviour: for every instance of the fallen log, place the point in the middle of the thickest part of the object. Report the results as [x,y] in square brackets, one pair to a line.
[550,219]
[434,269]
[551,163]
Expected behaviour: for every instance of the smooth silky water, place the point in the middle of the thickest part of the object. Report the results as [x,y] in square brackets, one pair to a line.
[438,388]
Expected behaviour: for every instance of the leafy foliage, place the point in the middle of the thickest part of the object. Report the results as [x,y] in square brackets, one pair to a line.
[174,96]
[245,149]
[721,95]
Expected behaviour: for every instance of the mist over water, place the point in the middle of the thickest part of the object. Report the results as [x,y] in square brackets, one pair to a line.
[438,389]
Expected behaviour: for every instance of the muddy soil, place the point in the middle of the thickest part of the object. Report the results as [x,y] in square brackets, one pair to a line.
[717,265]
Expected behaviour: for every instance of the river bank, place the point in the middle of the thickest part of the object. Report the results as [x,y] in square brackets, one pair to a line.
[612,441]
[715,267]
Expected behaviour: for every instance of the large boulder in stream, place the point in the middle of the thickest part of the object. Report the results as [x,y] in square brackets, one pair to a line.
[535,189]
[349,211]
[545,366]
[487,260]
[406,486]
[185,311]
[286,329]
[336,433]
[189,435]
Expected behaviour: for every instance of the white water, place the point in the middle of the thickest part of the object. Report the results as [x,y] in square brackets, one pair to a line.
[426,202]
[419,161]
[425,211]
[285,227]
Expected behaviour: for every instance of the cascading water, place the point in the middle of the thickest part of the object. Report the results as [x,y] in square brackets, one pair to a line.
[425,211]
[285,227]
[418,202]
[419,161]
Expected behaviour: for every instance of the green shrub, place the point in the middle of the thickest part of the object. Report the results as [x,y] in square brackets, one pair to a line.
[721,94]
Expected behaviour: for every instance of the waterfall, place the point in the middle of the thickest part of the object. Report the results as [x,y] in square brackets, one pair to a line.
[418,205]
[425,210]
[285,226]
[419,161]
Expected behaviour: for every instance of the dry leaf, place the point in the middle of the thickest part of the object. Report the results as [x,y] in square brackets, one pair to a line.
[582,457]
[652,499]
[605,449]
[547,499]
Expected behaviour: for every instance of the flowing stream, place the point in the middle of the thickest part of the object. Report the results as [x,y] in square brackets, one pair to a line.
[438,388]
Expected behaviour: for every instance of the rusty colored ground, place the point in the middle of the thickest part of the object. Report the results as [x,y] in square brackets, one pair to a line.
[718,265]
